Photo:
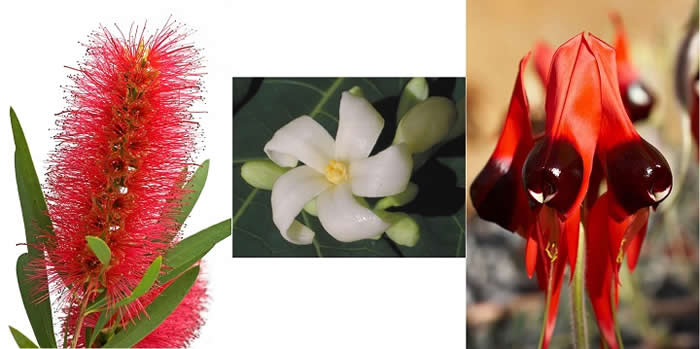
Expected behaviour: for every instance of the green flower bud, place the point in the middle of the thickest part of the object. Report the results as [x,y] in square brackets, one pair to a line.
[261,174]
[310,208]
[356,91]
[403,230]
[416,91]
[399,199]
[426,124]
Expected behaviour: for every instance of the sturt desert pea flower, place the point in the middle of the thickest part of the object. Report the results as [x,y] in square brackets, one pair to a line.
[117,172]
[334,171]
[536,186]
[636,95]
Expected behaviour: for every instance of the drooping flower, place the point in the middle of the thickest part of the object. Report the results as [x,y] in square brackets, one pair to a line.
[334,171]
[537,186]
[637,97]
[117,171]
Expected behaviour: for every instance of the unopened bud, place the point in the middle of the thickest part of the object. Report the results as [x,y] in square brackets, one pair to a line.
[261,174]
[356,91]
[403,230]
[416,91]
[426,124]
[310,208]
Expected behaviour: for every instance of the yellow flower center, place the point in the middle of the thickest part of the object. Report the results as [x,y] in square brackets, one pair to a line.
[336,172]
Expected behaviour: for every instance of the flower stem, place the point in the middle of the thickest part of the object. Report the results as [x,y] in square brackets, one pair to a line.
[81,317]
[578,305]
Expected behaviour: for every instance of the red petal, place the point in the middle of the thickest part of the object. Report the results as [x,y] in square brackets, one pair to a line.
[543,59]
[635,247]
[638,175]
[557,171]
[497,192]
[570,230]
[530,252]
[599,271]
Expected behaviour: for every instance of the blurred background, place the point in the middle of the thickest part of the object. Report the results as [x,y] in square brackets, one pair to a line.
[659,302]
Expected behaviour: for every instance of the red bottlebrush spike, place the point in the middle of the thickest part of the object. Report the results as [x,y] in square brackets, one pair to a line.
[117,172]
[557,170]
[638,98]
[500,180]
[637,174]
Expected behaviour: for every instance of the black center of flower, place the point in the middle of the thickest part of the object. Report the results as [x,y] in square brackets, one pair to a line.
[553,174]
[638,101]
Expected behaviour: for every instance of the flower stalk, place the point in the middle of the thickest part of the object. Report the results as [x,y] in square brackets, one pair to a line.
[578,305]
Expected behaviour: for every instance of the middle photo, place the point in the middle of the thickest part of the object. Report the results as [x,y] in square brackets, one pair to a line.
[348,167]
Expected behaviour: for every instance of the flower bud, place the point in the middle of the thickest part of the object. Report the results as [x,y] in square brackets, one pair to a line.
[426,124]
[416,91]
[459,125]
[399,199]
[261,174]
[403,230]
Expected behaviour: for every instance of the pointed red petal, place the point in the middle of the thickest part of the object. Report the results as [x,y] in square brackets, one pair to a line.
[599,271]
[557,170]
[530,252]
[570,232]
[637,173]
[635,247]
[543,53]
[497,192]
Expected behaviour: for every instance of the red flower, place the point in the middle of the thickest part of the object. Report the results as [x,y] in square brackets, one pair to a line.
[588,138]
[636,96]
[117,172]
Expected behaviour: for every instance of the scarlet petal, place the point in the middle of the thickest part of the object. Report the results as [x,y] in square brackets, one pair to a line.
[543,59]
[599,269]
[497,192]
[637,173]
[531,252]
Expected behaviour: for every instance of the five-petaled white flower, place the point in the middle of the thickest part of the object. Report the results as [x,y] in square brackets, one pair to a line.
[334,171]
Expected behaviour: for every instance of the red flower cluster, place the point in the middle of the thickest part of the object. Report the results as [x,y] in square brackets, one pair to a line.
[543,187]
[117,172]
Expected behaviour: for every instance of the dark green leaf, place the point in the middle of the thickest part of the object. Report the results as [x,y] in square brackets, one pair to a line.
[100,249]
[147,281]
[36,223]
[39,313]
[22,340]
[188,251]
[195,185]
[157,311]
[273,104]
[101,322]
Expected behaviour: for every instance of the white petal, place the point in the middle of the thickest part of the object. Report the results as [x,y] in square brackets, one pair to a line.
[358,128]
[289,195]
[383,174]
[344,218]
[301,139]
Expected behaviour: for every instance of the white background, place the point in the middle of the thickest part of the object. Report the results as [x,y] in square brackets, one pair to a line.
[255,303]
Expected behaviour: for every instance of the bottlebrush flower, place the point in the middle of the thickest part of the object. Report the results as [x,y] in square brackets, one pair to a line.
[637,97]
[536,186]
[117,171]
[335,170]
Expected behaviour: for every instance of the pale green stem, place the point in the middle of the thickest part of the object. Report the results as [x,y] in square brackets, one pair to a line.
[578,304]
[548,299]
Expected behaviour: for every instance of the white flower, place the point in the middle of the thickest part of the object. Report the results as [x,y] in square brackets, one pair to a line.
[334,171]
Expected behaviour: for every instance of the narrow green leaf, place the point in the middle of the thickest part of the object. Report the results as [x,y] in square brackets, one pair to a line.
[39,314]
[157,311]
[101,322]
[147,281]
[36,223]
[100,249]
[22,340]
[195,184]
[188,251]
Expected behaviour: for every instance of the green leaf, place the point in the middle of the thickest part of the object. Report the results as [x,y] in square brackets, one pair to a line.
[276,102]
[21,340]
[157,311]
[195,184]
[36,223]
[147,281]
[39,314]
[101,322]
[188,251]
[100,249]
